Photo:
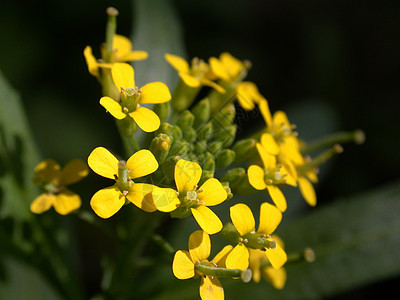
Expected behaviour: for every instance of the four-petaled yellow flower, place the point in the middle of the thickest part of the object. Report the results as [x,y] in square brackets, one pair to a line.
[194,199]
[132,98]
[184,264]
[109,201]
[194,76]
[122,52]
[243,220]
[54,179]
[272,174]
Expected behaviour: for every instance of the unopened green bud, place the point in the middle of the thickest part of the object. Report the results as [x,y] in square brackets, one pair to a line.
[171,130]
[244,149]
[225,116]
[201,111]
[225,158]
[185,120]
[179,148]
[234,176]
[208,162]
[162,110]
[168,167]
[215,147]
[160,146]
[205,132]
[189,134]
[230,233]
[228,190]
[226,135]
[200,147]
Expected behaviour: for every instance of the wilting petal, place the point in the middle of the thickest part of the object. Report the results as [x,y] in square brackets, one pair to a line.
[270,217]
[146,119]
[211,288]
[178,63]
[113,107]
[141,194]
[238,258]
[155,92]
[242,218]
[73,171]
[66,202]
[207,219]
[256,177]
[123,76]
[42,203]
[102,162]
[277,257]
[307,190]
[277,196]
[107,202]
[199,245]
[182,266]
[141,163]
[187,174]
[212,192]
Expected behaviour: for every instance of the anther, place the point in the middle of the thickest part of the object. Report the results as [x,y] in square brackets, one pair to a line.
[245,241]
[124,192]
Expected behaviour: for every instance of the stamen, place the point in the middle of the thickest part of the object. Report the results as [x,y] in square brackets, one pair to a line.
[125,192]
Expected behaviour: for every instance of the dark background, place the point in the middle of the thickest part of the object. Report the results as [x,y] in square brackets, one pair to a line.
[331,65]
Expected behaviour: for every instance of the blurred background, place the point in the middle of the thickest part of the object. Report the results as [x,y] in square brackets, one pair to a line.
[331,65]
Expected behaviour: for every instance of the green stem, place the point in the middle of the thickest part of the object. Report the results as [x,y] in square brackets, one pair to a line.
[218,272]
[163,243]
[356,136]
[320,159]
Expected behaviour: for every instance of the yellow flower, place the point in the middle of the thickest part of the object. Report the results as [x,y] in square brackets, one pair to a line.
[122,52]
[272,174]
[243,220]
[194,76]
[227,67]
[132,98]
[53,179]
[184,264]
[109,201]
[248,95]
[196,200]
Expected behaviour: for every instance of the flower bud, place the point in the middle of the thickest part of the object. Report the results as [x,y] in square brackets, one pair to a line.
[201,111]
[225,158]
[244,149]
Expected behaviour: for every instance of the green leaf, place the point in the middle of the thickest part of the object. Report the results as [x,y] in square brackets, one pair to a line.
[157,30]
[18,156]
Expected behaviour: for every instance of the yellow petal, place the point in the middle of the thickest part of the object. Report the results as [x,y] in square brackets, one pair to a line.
[280,118]
[189,80]
[268,159]
[212,84]
[66,202]
[141,194]
[245,92]
[211,288]
[199,245]
[178,63]
[46,171]
[91,61]
[134,55]
[276,277]
[107,202]
[121,45]
[277,257]
[232,64]
[255,258]
[265,112]
[212,192]
[155,92]
[102,162]
[307,190]
[73,171]
[242,218]
[207,219]
[270,217]
[277,196]
[146,119]
[141,163]
[220,258]
[269,143]
[182,266]
[113,107]
[165,199]
[187,174]
[256,177]
[218,69]
[123,76]
[238,258]
[42,203]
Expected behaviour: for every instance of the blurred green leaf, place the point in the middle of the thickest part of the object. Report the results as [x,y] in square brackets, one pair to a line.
[18,154]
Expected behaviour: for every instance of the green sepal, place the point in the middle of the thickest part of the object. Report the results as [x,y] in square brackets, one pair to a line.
[215,147]
[171,130]
[205,132]
[162,110]
[224,158]
[190,134]
[227,135]
[181,212]
[183,96]
[185,120]
[202,113]
[230,233]
[179,148]
[160,146]
[224,117]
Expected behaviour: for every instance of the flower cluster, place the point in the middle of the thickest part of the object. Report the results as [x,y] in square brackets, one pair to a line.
[184,165]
